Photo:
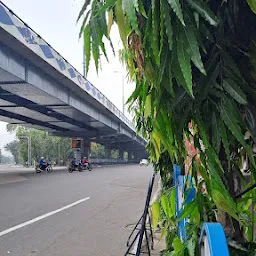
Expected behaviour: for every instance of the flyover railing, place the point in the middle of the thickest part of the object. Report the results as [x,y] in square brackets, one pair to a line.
[212,240]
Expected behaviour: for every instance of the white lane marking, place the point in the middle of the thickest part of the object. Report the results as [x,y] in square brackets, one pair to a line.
[9,230]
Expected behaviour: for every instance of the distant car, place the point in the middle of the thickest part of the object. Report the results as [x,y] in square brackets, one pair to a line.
[144,162]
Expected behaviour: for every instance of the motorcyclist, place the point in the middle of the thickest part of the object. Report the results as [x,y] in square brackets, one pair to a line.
[42,163]
[74,162]
[85,162]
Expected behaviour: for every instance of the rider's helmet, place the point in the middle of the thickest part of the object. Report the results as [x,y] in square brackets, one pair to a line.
[84,157]
[42,157]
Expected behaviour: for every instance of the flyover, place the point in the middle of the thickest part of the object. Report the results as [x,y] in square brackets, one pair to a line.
[40,89]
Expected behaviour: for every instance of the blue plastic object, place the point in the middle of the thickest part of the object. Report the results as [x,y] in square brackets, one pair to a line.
[216,239]
[189,195]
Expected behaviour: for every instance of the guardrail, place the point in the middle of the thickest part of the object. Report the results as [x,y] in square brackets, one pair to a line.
[212,240]
[103,161]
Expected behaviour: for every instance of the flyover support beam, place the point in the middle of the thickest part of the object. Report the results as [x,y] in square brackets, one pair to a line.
[121,154]
[129,155]
[107,151]
[85,150]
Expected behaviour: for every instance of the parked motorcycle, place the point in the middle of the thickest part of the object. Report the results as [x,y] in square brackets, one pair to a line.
[86,167]
[73,168]
[79,168]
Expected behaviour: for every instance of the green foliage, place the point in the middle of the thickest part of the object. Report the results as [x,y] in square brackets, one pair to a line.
[192,61]
[42,145]
[97,150]
[14,148]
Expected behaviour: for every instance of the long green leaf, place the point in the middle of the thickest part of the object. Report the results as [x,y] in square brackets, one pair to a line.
[86,4]
[161,26]
[155,30]
[204,11]
[104,7]
[188,209]
[95,43]
[216,138]
[177,245]
[234,91]
[202,131]
[110,21]
[184,62]
[130,11]
[84,22]
[173,201]
[141,8]
[175,4]
[165,205]
[121,23]
[87,46]
[193,48]
[156,139]
[155,214]
[224,137]
[252,5]
[229,119]
[147,110]
[223,200]
[167,23]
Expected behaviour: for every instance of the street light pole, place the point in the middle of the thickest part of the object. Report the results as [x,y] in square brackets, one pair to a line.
[123,105]
[84,63]
[29,147]
[123,96]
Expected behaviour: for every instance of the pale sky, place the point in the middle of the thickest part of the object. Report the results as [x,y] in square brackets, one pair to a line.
[55,22]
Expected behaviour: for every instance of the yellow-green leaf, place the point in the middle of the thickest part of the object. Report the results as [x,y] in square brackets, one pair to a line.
[155,214]
[110,21]
[147,110]
[222,203]
[121,22]
[177,244]
[157,143]
[173,201]
[252,4]
[165,205]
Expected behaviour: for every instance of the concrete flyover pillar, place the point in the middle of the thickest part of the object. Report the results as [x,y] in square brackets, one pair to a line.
[107,151]
[85,149]
[121,154]
[129,155]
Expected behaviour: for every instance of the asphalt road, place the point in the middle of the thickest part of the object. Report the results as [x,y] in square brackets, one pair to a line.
[95,226]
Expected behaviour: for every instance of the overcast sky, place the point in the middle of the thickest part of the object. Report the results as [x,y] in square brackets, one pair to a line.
[55,22]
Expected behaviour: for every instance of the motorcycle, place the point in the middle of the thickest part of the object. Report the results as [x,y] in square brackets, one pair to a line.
[40,168]
[80,167]
[86,167]
[73,168]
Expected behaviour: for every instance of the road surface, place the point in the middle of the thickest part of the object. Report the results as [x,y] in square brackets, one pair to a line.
[70,214]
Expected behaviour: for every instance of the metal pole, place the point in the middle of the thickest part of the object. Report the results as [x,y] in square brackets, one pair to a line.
[84,63]
[30,160]
[59,152]
[123,97]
